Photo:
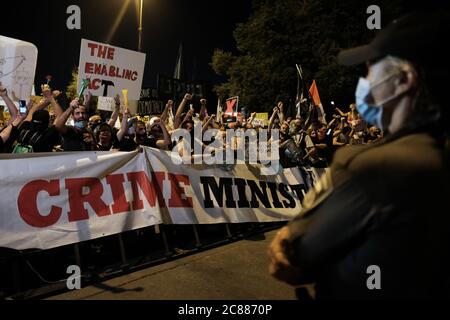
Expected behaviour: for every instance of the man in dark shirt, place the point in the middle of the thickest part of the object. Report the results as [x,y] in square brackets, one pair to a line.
[377,226]
[77,137]
[37,134]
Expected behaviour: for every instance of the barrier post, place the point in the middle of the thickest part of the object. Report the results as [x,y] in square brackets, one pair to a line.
[164,237]
[227,228]
[122,252]
[198,244]
[76,250]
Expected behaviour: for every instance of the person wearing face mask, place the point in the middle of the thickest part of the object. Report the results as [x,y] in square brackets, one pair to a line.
[141,138]
[77,137]
[377,226]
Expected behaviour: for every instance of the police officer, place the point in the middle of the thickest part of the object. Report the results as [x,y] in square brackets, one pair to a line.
[377,226]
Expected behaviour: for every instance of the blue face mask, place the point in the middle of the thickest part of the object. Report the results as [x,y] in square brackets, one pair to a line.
[80,124]
[371,113]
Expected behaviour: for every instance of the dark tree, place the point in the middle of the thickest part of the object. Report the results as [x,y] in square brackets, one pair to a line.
[281,33]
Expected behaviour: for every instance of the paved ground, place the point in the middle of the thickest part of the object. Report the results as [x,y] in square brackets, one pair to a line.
[234,271]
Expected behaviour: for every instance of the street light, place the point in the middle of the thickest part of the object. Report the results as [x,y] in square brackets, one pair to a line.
[141,7]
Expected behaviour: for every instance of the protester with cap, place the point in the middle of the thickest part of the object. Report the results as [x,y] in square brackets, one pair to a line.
[377,226]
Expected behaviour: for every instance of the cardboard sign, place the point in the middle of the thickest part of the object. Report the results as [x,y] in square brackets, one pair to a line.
[17,67]
[261,119]
[232,106]
[105,103]
[111,69]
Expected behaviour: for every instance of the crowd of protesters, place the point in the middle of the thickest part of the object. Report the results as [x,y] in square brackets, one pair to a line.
[305,140]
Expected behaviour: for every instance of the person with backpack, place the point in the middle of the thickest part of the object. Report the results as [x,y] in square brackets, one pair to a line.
[34,134]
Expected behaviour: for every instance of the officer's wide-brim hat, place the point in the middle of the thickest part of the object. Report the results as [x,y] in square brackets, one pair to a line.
[416,37]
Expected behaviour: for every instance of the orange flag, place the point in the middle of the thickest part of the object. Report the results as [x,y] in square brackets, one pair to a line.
[314,93]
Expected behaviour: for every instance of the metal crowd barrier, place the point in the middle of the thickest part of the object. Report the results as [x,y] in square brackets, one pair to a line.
[35,274]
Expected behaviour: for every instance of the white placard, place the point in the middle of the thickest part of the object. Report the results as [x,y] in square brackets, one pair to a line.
[111,69]
[105,103]
[17,67]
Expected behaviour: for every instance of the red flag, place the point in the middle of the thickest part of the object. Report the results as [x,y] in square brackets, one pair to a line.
[314,93]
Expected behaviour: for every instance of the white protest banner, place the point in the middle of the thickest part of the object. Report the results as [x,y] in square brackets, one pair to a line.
[111,69]
[51,200]
[17,67]
[210,194]
[105,103]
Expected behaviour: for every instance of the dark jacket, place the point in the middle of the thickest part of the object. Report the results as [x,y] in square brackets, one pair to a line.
[387,205]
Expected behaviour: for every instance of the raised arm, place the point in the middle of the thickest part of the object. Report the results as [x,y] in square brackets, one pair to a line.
[332,122]
[6,133]
[182,105]
[281,115]
[55,105]
[180,110]
[189,115]
[165,113]
[124,126]
[252,117]
[203,109]
[167,139]
[60,122]
[272,118]
[340,112]
[208,120]
[9,103]
[87,102]
[44,103]
[115,113]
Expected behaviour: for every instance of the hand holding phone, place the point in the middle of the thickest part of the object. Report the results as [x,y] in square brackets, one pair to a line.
[22,107]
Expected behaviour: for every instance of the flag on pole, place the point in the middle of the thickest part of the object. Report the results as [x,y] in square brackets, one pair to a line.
[171,119]
[219,113]
[314,93]
[301,99]
[178,73]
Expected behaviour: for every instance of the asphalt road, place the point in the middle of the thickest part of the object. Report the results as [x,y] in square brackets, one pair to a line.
[237,271]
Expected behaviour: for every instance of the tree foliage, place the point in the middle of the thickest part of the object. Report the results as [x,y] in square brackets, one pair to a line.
[71,90]
[282,33]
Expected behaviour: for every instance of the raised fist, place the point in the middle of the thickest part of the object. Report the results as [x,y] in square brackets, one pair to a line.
[203,101]
[75,103]
[47,92]
[3,91]
[188,96]
[280,106]
[87,97]
[117,100]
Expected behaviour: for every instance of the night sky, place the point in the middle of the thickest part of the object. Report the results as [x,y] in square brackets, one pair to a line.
[200,25]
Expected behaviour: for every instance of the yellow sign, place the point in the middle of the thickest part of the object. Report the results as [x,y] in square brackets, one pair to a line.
[125,97]
[263,116]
